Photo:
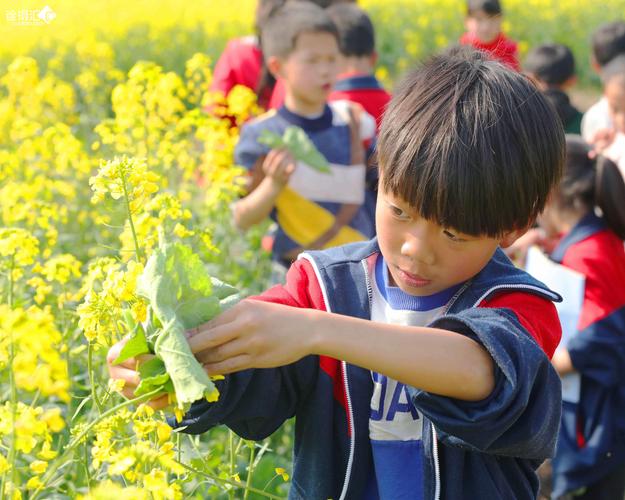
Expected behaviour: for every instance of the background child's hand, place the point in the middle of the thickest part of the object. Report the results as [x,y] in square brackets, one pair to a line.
[518,250]
[126,371]
[253,334]
[602,139]
[278,166]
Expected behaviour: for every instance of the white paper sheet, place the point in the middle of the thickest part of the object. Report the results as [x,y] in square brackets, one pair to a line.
[570,284]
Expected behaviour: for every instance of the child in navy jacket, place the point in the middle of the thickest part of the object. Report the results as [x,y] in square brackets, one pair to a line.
[590,458]
[426,343]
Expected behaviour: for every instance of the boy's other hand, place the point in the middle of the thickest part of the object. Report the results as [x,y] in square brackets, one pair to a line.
[278,166]
[127,372]
[252,334]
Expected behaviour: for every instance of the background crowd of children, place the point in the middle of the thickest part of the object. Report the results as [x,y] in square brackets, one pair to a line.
[313,67]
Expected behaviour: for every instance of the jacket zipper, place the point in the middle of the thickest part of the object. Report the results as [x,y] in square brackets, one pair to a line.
[352,441]
[350,411]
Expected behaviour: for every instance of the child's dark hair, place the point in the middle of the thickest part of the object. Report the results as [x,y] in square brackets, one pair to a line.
[470,144]
[356,33]
[591,181]
[608,41]
[614,69]
[264,10]
[551,63]
[490,7]
[280,33]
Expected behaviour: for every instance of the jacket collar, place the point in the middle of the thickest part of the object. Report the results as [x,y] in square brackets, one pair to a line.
[586,227]
[357,82]
[308,124]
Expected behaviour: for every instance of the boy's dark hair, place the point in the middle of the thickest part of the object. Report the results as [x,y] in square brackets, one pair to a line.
[551,63]
[608,41]
[590,180]
[490,7]
[280,32]
[614,69]
[356,33]
[470,144]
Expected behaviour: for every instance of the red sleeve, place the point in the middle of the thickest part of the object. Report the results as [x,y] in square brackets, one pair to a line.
[300,290]
[601,259]
[239,64]
[537,315]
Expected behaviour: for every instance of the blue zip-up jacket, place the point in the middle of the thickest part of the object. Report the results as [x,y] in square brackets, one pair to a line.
[487,449]
[592,435]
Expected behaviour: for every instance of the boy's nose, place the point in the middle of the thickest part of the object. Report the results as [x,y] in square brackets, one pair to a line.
[417,249]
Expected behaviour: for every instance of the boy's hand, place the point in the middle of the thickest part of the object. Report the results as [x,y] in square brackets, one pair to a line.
[278,166]
[126,371]
[253,334]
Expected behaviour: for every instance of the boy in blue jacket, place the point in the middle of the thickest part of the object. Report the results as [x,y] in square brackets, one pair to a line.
[416,364]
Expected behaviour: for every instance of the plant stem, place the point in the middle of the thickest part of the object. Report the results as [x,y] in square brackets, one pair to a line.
[250,471]
[132,224]
[231,482]
[94,394]
[78,439]
[232,460]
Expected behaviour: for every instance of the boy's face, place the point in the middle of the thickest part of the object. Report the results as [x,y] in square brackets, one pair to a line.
[423,257]
[483,26]
[309,71]
[614,92]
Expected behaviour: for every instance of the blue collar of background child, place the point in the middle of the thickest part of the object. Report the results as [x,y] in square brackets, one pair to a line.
[398,299]
[586,227]
[309,124]
[360,82]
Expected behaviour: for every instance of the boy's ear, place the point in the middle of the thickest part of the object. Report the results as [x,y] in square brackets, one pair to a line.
[510,237]
[373,59]
[596,67]
[570,82]
[274,65]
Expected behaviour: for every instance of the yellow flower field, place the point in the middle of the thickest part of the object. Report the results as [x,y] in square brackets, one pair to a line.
[104,146]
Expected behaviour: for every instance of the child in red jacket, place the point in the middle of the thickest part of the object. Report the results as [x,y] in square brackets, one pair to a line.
[590,455]
[483,24]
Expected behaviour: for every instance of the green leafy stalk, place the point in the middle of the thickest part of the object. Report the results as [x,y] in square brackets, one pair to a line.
[182,296]
[298,144]
[130,221]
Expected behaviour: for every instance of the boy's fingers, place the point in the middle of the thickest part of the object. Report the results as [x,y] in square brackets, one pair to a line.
[130,377]
[216,336]
[224,318]
[227,366]
[221,353]
[159,403]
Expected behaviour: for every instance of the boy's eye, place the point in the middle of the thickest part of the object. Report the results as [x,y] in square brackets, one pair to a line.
[452,236]
[398,212]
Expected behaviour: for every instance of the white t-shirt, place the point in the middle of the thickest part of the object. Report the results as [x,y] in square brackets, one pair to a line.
[596,118]
[395,425]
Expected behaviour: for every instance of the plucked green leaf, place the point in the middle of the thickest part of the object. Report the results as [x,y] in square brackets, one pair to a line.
[137,344]
[298,144]
[182,296]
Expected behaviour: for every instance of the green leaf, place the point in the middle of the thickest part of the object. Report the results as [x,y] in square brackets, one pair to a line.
[297,142]
[153,375]
[182,295]
[137,344]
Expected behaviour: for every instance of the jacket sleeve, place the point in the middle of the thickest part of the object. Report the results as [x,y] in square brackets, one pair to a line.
[521,416]
[255,402]
[597,348]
